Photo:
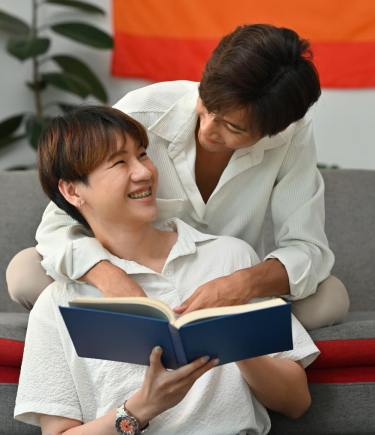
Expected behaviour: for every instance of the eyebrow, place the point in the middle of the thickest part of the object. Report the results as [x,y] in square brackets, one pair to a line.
[120,153]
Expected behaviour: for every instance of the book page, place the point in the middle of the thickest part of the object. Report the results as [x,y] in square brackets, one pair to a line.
[208,313]
[143,307]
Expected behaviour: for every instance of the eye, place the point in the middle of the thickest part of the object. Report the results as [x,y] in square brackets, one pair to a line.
[229,129]
[142,155]
[117,163]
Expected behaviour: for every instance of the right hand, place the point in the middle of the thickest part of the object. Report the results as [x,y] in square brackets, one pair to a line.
[162,389]
[112,281]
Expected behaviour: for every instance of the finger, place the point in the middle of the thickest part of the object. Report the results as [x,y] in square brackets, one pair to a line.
[155,359]
[204,369]
[188,301]
[194,306]
[187,370]
[179,309]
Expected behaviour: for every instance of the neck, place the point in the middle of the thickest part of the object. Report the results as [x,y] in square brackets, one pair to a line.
[139,242]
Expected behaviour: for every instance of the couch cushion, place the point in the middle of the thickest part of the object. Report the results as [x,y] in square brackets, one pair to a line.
[12,336]
[13,326]
[336,409]
[8,425]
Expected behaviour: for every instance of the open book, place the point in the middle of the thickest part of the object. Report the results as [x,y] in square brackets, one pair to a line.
[127,329]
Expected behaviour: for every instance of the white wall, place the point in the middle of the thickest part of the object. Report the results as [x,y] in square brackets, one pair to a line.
[344,121]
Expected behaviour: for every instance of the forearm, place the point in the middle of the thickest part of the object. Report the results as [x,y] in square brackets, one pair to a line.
[279,384]
[112,281]
[269,278]
[136,406]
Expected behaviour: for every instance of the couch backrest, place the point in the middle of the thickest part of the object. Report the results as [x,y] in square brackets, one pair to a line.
[22,203]
[350,227]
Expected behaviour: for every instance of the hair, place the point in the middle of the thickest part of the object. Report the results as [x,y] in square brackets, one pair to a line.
[75,144]
[266,70]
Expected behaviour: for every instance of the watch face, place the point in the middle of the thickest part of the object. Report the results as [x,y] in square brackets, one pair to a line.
[126,426]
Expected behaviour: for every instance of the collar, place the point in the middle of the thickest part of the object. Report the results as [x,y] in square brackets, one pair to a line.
[186,244]
[178,123]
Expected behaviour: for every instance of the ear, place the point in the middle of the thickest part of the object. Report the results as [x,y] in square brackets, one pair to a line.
[70,192]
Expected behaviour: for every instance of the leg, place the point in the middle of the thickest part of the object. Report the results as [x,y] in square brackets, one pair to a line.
[26,278]
[327,307]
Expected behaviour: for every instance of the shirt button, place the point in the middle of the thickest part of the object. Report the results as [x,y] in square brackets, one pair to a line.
[168,273]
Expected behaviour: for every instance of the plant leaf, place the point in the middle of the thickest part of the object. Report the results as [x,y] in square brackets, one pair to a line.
[34,128]
[84,33]
[42,85]
[13,25]
[77,68]
[24,48]
[67,82]
[10,125]
[77,4]
[11,139]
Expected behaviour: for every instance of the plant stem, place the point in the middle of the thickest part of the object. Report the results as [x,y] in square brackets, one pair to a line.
[34,31]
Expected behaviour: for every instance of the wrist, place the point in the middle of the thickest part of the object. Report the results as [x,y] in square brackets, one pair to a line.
[139,408]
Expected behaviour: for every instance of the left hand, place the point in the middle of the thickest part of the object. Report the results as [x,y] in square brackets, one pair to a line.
[221,292]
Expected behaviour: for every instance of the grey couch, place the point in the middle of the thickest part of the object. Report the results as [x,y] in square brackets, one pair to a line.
[341,381]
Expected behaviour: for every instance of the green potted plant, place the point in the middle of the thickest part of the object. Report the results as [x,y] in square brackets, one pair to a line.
[27,43]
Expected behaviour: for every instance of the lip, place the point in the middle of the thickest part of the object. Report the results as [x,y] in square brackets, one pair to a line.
[210,140]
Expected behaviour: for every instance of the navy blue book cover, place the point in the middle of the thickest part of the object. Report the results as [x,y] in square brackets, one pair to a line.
[129,338]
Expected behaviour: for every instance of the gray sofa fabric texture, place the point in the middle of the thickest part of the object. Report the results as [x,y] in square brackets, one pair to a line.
[350,227]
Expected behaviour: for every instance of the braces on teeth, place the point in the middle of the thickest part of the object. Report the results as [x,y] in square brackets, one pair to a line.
[141,195]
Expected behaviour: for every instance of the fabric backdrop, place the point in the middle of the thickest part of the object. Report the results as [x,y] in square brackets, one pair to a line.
[165,40]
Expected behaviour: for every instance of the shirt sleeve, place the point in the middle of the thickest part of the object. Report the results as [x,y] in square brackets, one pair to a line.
[297,206]
[46,385]
[69,249]
[304,349]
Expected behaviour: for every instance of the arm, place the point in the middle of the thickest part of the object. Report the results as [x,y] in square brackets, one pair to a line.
[161,391]
[279,384]
[71,253]
[297,206]
[303,258]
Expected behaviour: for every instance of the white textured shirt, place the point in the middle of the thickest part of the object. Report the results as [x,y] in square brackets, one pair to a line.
[55,381]
[280,171]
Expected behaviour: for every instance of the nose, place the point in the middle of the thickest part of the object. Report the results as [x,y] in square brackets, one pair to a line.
[208,126]
[140,172]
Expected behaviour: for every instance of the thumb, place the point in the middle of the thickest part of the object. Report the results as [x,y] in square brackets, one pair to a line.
[155,359]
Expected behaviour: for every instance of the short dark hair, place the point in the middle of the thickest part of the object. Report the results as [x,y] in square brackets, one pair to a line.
[75,144]
[266,70]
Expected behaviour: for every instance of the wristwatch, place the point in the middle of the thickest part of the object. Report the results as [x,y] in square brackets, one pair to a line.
[126,424]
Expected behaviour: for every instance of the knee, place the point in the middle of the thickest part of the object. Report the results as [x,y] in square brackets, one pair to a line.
[335,297]
[26,278]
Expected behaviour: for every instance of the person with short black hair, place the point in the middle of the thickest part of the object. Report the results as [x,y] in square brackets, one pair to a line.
[226,149]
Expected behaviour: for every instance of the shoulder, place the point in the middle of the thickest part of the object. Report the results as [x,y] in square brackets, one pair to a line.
[54,295]
[235,253]
[158,97]
[300,130]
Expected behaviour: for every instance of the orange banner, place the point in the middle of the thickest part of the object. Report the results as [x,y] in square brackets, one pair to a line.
[172,39]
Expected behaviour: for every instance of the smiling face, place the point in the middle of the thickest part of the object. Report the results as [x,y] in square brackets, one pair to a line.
[121,191]
[227,133]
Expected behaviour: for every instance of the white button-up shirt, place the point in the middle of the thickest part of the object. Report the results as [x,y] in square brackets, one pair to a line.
[280,171]
[55,381]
